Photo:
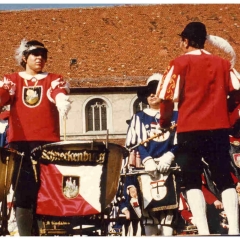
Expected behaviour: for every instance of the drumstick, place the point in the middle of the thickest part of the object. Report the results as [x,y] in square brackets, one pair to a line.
[6,173]
[16,184]
[139,172]
[34,163]
[4,202]
[65,125]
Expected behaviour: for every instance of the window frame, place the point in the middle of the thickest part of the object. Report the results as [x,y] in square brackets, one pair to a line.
[132,104]
[108,115]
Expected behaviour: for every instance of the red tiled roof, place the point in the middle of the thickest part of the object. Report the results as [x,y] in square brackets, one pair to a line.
[113,46]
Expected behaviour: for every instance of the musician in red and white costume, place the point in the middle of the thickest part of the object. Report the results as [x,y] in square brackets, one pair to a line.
[36,98]
[200,82]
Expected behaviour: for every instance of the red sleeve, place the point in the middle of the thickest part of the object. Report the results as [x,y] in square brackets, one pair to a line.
[4,115]
[166,111]
[4,97]
[57,91]
[58,85]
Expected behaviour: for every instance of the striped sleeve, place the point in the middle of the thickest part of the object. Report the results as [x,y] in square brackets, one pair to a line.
[136,132]
[169,88]
[235,80]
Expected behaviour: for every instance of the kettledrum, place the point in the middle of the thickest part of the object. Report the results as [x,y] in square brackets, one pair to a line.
[78,178]
[7,159]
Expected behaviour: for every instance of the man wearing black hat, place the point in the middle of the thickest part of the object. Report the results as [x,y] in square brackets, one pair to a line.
[200,82]
[159,200]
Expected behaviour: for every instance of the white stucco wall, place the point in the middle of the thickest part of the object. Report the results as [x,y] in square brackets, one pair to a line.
[120,104]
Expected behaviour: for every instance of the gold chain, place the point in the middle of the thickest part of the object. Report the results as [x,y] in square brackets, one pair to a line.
[26,83]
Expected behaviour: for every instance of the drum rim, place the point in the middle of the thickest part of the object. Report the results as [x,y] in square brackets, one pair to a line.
[69,142]
[80,141]
[11,150]
[62,143]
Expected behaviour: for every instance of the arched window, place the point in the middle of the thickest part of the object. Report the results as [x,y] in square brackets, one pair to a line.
[96,115]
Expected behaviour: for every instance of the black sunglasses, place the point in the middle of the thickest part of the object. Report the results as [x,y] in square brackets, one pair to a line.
[39,52]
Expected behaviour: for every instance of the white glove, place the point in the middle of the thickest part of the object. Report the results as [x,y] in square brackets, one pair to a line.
[150,165]
[165,161]
[63,104]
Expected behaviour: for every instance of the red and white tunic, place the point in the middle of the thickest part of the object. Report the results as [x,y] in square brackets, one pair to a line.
[33,113]
[200,83]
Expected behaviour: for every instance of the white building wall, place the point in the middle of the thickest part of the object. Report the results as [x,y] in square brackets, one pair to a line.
[120,105]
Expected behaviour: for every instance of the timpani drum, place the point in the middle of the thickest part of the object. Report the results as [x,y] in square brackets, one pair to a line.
[7,160]
[78,178]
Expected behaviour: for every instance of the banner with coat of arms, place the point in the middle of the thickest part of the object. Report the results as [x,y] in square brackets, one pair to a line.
[69,190]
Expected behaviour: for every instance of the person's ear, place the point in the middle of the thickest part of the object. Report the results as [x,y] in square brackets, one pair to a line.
[24,59]
[185,43]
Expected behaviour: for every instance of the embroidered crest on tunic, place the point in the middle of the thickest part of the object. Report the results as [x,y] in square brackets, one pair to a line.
[32,96]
